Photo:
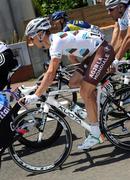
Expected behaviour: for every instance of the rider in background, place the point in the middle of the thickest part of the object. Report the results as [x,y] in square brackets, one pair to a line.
[96,54]
[7,63]
[119,10]
[61,22]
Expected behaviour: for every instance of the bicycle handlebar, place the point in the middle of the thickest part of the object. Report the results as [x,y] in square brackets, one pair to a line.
[123,68]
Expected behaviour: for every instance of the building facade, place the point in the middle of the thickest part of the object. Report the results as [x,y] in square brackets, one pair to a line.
[13,16]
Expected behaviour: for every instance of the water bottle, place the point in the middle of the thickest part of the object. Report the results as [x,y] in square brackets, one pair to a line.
[126,80]
[79,111]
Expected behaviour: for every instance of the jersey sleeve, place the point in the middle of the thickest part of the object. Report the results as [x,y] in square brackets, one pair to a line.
[124,22]
[129,16]
[56,48]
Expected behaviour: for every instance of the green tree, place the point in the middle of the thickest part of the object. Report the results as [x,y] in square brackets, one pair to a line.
[46,7]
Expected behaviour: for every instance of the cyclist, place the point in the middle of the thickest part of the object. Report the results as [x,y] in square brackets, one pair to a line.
[97,55]
[60,20]
[7,63]
[120,12]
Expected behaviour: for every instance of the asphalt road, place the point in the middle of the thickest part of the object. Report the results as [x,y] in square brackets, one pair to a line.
[102,162]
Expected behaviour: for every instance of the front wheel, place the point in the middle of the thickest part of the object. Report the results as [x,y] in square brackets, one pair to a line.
[115,118]
[46,158]
[33,119]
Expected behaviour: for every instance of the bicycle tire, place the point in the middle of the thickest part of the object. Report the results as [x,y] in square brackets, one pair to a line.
[114,122]
[25,140]
[61,148]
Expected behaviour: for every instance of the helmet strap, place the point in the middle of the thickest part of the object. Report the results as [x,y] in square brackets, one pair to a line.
[121,9]
[40,38]
[62,24]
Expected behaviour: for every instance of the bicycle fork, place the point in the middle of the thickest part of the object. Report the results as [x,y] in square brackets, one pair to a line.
[45,110]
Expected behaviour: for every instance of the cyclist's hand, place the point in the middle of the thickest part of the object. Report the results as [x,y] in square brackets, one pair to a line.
[115,63]
[112,68]
[28,99]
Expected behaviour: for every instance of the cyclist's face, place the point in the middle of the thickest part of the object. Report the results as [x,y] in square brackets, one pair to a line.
[40,41]
[58,25]
[114,13]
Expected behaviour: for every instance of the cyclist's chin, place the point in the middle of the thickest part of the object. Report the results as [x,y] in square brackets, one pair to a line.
[46,45]
[115,18]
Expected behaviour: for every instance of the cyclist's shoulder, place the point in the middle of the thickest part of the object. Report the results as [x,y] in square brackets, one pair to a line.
[72,25]
[58,35]
[78,23]
[128,8]
[127,12]
[57,38]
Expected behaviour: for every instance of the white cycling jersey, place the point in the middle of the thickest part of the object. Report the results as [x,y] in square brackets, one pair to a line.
[3,46]
[124,21]
[81,43]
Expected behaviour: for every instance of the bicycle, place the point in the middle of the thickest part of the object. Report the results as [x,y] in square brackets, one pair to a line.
[51,111]
[61,80]
[77,107]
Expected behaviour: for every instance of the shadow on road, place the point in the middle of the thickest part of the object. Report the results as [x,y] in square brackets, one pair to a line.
[101,155]
[91,160]
[25,151]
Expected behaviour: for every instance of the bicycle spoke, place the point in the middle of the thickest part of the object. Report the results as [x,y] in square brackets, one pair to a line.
[115,118]
[50,153]
[117,124]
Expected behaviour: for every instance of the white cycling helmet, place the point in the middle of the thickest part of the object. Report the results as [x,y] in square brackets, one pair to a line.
[36,25]
[124,1]
[114,3]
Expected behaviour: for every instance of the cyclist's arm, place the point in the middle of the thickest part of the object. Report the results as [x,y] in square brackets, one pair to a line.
[125,45]
[119,40]
[48,77]
[115,35]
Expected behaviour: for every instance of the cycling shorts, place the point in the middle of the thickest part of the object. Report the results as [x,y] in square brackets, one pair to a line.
[93,68]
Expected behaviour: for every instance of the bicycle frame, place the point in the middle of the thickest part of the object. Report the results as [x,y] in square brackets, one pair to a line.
[52,102]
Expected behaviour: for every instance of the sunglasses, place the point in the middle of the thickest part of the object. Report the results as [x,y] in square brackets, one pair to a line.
[31,38]
[32,35]
[110,10]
